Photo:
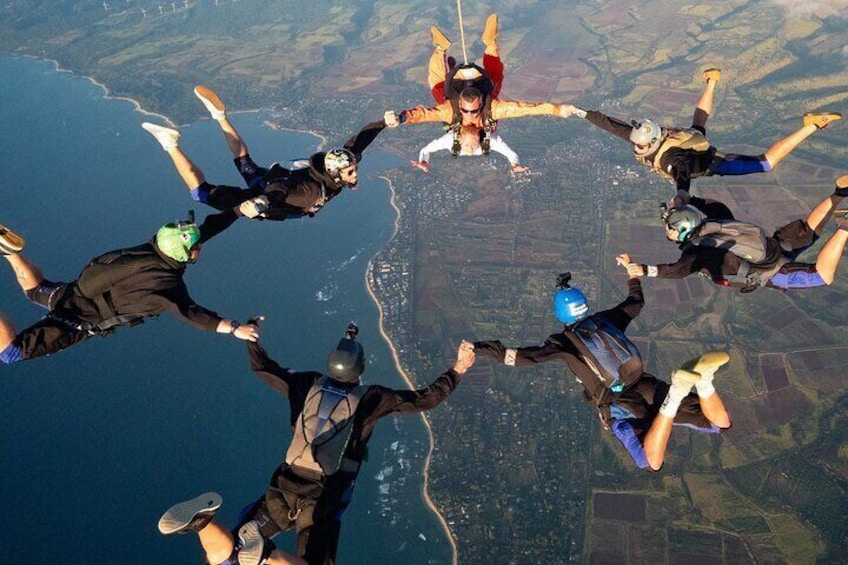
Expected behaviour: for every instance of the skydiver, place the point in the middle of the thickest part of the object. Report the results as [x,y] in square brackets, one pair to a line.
[332,417]
[738,254]
[637,407]
[680,154]
[274,193]
[467,95]
[470,144]
[117,289]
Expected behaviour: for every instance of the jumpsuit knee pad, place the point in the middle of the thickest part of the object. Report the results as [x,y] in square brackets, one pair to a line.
[12,354]
[45,294]
[201,193]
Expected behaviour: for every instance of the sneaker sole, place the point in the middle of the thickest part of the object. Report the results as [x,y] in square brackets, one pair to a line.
[206,94]
[842,182]
[180,515]
[252,544]
[709,361]
[10,242]
[683,376]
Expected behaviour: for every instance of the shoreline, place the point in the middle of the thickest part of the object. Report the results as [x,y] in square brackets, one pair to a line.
[425,488]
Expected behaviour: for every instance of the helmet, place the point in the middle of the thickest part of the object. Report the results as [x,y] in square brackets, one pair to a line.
[646,133]
[337,159]
[684,220]
[176,240]
[570,305]
[346,362]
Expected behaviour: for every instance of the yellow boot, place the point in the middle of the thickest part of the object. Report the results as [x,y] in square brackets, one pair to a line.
[707,364]
[714,74]
[821,120]
[490,31]
[439,40]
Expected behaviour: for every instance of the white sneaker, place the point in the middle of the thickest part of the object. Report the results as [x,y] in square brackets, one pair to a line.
[252,544]
[167,137]
[216,108]
[191,515]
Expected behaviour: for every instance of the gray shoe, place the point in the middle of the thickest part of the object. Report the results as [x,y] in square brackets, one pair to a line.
[167,137]
[252,544]
[10,242]
[190,516]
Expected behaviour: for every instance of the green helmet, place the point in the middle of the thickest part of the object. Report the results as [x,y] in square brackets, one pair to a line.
[176,240]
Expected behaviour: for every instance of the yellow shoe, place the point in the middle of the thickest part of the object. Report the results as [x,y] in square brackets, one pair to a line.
[714,74]
[490,31]
[842,182]
[822,120]
[216,108]
[439,40]
[707,364]
[10,242]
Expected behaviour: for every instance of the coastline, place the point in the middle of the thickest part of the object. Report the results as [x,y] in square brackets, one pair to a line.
[425,490]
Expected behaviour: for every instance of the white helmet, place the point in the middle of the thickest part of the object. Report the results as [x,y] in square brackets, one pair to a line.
[337,159]
[646,137]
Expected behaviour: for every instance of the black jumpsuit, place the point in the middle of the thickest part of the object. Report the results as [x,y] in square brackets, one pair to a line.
[315,507]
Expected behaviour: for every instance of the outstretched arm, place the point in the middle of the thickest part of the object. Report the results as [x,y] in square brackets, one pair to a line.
[498,145]
[689,263]
[272,374]
[627,310]
[439,144]
[618,128]
[505,109]
[359,142]
[520,356]
[410,401]
[214,224]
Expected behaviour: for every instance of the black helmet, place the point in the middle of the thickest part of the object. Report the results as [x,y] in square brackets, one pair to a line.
[346,362]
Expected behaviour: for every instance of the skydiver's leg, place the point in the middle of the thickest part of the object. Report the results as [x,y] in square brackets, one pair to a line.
[812,122]
[169,140]
[437,69]
[714,410]
[218,112]
[492,62]
[217,543]
[831,253]
[704,109]
[656,440]
[27,273]
[7,332]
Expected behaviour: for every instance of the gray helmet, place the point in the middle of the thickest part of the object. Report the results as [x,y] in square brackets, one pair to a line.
[684,220]
[648,134]
[346,362]
[337,159]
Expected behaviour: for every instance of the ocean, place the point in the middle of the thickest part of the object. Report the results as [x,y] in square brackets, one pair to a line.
[97,441]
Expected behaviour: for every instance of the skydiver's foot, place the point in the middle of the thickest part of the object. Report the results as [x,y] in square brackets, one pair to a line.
[841,217]
[167,137]
[706,365]
[712,74]
[10,242]
[190,516]
[821,120]
[490,31]
[841,186]
[216,108]
[252,544]
[439,40]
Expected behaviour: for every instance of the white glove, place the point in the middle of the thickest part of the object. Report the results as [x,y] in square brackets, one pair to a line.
[254,207]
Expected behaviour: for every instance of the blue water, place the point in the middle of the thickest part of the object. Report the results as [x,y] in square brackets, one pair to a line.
[98,440]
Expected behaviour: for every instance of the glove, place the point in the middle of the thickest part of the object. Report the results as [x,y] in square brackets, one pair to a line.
[255,207]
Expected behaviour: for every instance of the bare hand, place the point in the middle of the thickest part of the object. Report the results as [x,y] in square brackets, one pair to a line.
[391,119]
[247,332]
[464,357]
[634,270]
[423,165]
[518,169]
